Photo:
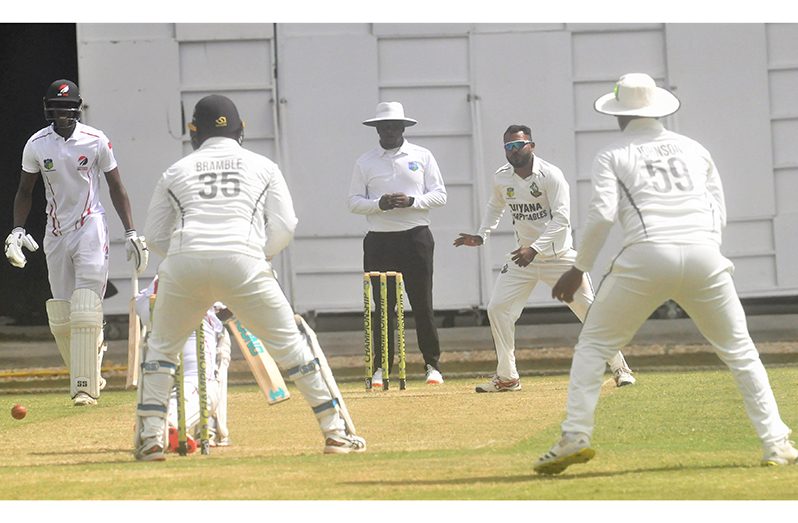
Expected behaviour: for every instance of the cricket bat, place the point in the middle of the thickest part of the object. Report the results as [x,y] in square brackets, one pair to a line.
[263,367]
[133,336]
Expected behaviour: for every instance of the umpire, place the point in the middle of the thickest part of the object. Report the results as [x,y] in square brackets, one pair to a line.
[395,184]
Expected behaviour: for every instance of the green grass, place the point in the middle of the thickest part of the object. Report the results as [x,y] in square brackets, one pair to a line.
[672,436]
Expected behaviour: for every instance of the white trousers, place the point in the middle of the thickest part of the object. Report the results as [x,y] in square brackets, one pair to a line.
[698,278]
[78,259]
[188,284]
[510,295]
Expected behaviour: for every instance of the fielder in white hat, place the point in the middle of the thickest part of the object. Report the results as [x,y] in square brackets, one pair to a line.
[666,192]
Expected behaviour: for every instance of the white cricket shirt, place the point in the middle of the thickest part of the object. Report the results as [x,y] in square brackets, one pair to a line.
[663,187]
[539,204]
[410,169]
[70,170]
[221,198]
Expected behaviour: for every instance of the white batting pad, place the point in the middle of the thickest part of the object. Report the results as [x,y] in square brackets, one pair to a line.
[58,313]
[86,314]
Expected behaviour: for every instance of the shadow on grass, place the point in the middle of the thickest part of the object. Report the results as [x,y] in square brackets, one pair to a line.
[540,477]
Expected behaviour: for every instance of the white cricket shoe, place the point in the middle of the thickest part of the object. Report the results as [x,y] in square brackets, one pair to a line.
[623,377]
[780,453]
[82,399]
[151,449]
[433,375]
[499,385]
[344,444]
[573,448]
[376,380]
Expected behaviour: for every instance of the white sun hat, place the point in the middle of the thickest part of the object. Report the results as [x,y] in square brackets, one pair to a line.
[389,111]
[636,94]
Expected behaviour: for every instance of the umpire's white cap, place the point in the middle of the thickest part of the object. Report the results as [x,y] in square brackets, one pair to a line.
[636,94]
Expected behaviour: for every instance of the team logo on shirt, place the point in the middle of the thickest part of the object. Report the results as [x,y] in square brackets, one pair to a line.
[413,166]
[505,269]
[48,164]
[534,191]
[82,163]
[511,192]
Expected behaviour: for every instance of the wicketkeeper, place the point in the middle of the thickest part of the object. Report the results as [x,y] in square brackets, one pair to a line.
[218,216]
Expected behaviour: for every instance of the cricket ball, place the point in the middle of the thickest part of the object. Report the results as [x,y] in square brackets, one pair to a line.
[18,411]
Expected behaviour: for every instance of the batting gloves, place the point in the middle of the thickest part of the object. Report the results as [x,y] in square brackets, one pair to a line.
[137,250]
[14,244]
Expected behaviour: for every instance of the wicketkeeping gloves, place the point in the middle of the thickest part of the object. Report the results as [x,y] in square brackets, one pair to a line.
[14,244]
[137,250]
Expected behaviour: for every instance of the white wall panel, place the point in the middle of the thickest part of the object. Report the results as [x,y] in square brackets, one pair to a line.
[207,32]
[720,105]
[782,45]
[607,55]
[140,112]
[423,60]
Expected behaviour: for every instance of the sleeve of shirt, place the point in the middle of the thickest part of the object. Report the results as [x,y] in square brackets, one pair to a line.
[602,213]
[434,190]
[359,200]
[560,205]
[105,156]
[281,218]
[493,212]
[30,163]
[715,188]
[161,219]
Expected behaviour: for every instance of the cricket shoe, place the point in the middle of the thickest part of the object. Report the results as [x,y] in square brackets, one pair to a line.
[150,450]
[433,375]
[499,385]
[780,453]
[376,380]
[573,448]
[344,444]
[174,442]
[623,377]
[82,399]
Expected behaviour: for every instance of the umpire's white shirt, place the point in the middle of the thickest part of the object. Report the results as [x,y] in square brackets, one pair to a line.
[539,204]
[70,169]
[409,169]
[664,188]
[221,198]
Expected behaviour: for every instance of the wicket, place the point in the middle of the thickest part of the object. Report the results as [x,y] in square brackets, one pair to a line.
[202,387]
[400,326]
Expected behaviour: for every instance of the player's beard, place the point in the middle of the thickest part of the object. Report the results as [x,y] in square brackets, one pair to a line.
[520,159]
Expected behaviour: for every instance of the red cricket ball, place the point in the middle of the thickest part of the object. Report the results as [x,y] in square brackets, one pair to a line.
[18,411]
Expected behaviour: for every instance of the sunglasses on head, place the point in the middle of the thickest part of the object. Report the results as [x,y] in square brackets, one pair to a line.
[514,146]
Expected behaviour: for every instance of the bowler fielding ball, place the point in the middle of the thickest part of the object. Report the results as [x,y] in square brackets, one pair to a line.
[18,412]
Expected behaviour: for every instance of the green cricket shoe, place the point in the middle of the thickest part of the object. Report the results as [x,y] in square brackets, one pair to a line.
[572,449]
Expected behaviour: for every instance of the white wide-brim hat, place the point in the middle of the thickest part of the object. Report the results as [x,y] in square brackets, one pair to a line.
[389,111]
[636,94]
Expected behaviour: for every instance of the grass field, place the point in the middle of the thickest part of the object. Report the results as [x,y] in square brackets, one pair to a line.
[674,436]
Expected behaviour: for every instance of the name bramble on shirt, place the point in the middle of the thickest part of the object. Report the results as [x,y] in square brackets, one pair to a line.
[528,211]
[224,164]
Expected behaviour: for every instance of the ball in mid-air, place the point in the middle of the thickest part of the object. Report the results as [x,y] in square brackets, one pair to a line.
[18,411]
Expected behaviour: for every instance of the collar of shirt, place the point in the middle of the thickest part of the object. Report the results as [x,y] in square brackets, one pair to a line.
[72,137]
[218,140]
[389,153]
[644,124]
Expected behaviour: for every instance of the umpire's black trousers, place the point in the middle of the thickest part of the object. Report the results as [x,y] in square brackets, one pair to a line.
[409,252]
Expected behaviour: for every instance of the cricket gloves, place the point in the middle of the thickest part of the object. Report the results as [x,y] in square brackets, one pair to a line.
[137,250]
[14,244]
